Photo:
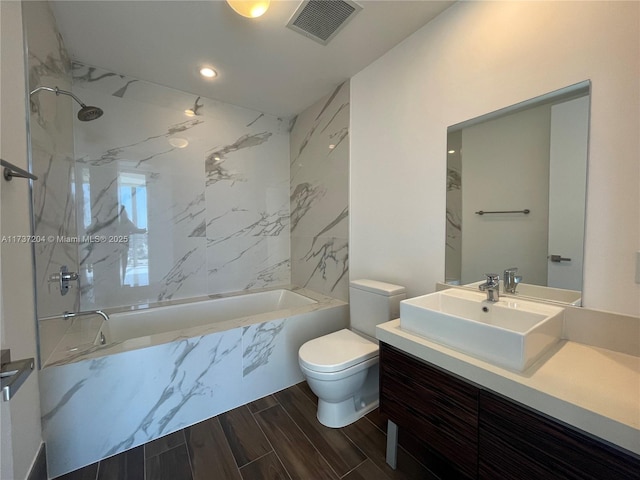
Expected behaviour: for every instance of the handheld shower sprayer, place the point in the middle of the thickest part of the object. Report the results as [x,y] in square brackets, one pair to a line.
[85,114]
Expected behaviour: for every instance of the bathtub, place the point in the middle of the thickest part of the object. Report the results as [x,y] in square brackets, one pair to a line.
[111,386]
[212,314]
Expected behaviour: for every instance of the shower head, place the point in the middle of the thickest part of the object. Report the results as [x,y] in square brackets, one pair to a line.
[86,113]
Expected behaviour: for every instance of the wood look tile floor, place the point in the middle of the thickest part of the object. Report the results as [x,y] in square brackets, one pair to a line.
[275,437]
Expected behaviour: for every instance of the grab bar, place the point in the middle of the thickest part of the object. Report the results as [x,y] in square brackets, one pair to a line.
[10,171]
[13,374]
[526,211]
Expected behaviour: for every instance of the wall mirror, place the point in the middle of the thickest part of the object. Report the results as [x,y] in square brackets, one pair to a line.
[516,195]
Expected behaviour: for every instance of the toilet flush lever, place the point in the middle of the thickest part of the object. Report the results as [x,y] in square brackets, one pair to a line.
[63,278]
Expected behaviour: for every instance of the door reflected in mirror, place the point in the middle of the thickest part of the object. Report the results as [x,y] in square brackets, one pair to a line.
[516,194]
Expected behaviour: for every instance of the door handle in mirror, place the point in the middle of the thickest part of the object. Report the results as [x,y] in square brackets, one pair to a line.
[558,258]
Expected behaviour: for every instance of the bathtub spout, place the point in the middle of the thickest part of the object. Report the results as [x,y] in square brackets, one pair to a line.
[68,315]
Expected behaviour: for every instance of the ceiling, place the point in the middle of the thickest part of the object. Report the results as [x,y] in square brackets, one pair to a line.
[261,64]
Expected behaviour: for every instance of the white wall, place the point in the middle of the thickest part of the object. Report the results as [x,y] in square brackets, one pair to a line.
[475,58]
[567,190]
[17,313]
[505,166]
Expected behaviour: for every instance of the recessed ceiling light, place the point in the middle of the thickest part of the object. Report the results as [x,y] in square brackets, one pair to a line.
[208,72]
[452,151]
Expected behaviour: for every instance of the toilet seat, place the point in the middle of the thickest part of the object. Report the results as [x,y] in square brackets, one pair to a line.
[336,351]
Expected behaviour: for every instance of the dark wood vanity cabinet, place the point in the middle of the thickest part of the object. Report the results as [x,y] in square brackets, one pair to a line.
[517,442]
[437,408]
[480,434]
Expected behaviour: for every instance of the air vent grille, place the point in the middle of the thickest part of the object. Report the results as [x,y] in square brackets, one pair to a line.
[321,20]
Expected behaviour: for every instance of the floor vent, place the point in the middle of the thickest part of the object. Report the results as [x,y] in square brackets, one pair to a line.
[321,20]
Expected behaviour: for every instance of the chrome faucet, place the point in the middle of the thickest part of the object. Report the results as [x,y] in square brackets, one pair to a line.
[510,280]
[491,287]
[67,315]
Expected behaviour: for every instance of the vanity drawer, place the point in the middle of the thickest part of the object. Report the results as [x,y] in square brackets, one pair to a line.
[516,442]
[439,409]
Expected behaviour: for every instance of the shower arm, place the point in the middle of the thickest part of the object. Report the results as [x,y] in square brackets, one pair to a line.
[57,91]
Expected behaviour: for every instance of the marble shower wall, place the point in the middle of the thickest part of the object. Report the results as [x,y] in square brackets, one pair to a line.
[176,206]
[320,196]
[453,252]
[51,128]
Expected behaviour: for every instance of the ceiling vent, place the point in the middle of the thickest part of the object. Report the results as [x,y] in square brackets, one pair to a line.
[321,20]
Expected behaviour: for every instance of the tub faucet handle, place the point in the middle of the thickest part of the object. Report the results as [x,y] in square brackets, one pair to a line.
[63,278]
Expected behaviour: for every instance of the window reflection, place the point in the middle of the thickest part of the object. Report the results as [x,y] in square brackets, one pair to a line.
[132,219]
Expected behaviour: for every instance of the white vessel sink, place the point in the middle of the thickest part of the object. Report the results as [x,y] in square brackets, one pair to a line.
[509,333]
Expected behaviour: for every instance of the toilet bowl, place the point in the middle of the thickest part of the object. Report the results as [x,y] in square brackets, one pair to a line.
[337,368]
[341,368]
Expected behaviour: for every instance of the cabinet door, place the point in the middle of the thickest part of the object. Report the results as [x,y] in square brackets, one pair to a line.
[518,443]
[437,408]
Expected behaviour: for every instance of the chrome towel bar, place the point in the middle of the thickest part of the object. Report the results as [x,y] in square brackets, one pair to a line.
[526,211]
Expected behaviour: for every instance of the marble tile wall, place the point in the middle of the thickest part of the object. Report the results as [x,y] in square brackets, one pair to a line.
[132,397]
[453,252]
[320,196]
[176,206]
[51,130]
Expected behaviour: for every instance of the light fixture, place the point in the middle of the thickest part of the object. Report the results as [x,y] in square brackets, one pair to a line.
[249,8]
[451,151]
[208,72]
[193,111]
[178,142]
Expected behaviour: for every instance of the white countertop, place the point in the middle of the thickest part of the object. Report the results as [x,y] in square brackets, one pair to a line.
[592,388]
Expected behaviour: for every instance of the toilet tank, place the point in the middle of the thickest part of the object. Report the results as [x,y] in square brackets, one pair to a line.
[372,302]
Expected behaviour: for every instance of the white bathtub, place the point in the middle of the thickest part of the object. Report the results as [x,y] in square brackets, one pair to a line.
[162,369]
[153,321]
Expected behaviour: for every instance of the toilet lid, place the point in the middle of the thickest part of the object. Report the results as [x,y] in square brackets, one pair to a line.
[336,351]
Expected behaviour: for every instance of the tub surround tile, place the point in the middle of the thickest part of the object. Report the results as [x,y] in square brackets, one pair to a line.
[220,216]
[143,389]
[259,342]
[319,172]
[145,394]
[323,263]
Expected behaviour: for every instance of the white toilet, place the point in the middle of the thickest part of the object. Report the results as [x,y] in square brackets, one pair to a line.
[341,368]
